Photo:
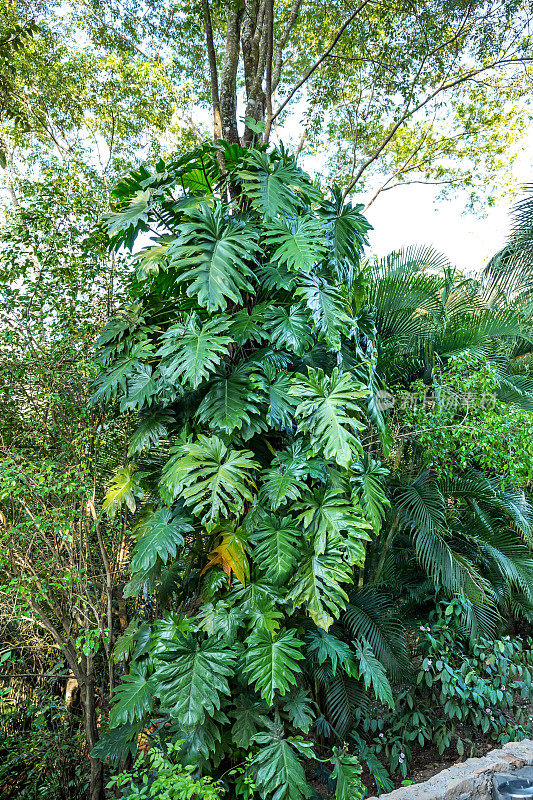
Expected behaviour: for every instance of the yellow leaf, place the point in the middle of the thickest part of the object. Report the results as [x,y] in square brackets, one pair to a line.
[230,553]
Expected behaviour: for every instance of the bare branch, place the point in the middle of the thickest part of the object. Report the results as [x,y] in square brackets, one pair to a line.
[319,61]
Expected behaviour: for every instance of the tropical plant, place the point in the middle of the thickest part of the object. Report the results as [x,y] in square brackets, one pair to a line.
[426,313]
[242,360]
[459,691]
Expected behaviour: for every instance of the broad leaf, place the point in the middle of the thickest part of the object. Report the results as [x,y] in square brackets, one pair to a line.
[300,243]
[325,514]
[327,411]
[325,646]
[117,743]
[230,553]
[133,698]
[230,401]
[272,662]
[346,772]
[329,308]
[279,774]
[277,544]
[373,673]
[250,716]
[212,480]
[212,254]
[317,586]
[289,328]
[124,489]
[269,185]
[125,644]
[300,710]
[148,433]
[284,480]
[190,353]
[135,213]
[368,490]
[221,620]
[159,535]
[141,390]
[281,404]
[192,678]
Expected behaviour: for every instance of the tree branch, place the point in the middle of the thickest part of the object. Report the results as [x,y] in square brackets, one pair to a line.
[409,113]
[319,61]
[278,53]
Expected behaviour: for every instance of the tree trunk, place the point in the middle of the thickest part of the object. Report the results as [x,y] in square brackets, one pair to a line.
[96,784]
[228,84]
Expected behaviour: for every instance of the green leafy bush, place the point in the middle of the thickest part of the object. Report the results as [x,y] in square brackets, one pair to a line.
[246,367]
[42,755]
[466,397]
[156,775]
[462,690]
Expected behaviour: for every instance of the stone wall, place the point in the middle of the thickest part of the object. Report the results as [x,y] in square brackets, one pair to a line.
[472,779]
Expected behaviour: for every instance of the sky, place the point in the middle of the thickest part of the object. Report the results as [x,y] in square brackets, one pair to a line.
[411,215]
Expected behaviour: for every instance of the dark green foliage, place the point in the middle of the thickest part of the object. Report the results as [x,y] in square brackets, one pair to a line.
[248,447]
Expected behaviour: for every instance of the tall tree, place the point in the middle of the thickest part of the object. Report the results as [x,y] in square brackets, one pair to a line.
[417,90]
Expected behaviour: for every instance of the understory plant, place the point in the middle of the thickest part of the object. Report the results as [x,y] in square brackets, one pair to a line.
[245,361]
[461,690]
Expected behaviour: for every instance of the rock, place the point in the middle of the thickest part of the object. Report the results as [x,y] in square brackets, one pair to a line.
[471,779]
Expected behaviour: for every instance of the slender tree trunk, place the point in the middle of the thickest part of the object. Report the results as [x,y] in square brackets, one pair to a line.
[96,784]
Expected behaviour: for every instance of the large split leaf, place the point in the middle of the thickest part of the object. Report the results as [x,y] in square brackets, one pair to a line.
[346,773]
[269,184]
[124,489]
[159,535]
[133,215]
[369,491]
[192,678]
[272,661]
[300,243]
[149,432]
[317,586]
[133,698]
[300,709]
[329,308]
[117,743]
[328,410]
[325,646]
[212,255]
[191,352]
[213,480]
[327,514]
[289,328]
[230,401]
[277,543]
[284,480]
[278,771]
[281,404]
[230,553]
[250,717]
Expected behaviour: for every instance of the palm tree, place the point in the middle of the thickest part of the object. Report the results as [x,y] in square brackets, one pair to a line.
[425,312]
